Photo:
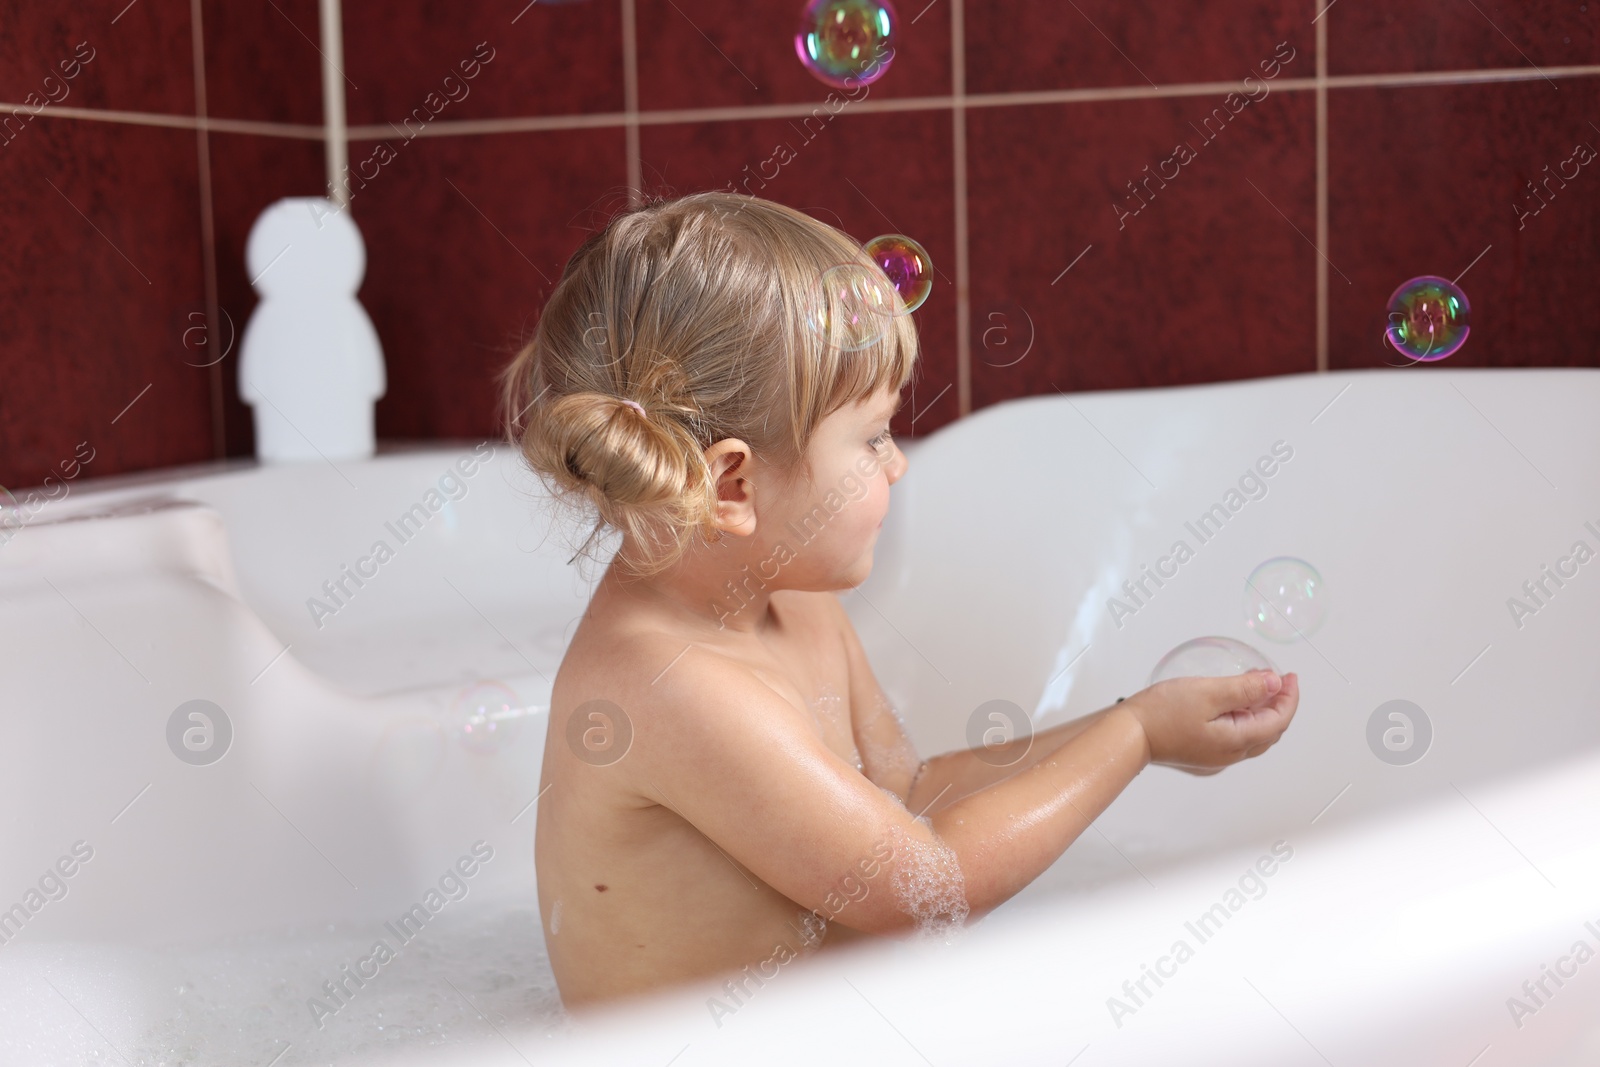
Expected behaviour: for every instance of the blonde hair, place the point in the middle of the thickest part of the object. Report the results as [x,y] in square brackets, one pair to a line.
[710,313]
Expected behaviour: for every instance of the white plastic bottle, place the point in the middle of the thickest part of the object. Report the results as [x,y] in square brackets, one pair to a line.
[310,365]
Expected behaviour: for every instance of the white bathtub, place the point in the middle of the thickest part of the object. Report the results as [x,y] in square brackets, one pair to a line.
[1416,901]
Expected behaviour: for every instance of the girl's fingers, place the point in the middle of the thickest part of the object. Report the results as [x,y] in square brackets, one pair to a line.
[1288,698]
[1252,688]
[1267,723]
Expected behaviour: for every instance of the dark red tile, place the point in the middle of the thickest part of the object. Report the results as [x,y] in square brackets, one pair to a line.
[465,236]
[1043,44]
[1428,195]
[866,174]
[1207,282]
[102,254]
[1381,37]
[142,61]
[549,59]
[248,173]
[724,53]
[262,60]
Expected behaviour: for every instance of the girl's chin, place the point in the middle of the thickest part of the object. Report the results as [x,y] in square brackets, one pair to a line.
[851,575]
[863,567]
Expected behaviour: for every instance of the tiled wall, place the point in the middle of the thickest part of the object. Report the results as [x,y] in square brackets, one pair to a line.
[1390,140]
[123,217]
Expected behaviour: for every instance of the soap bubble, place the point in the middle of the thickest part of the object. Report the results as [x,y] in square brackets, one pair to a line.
[850,306]
[846,43]
[1209,657]
[1428,319]
[907,264]
[928,884]
[1285,600]
[486,715]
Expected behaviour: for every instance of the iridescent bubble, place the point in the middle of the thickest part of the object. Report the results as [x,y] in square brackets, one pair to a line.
[486,715]
[1429,319]
[907,265]
[1285,600]
[846,43]
[1209,657]
[850,306]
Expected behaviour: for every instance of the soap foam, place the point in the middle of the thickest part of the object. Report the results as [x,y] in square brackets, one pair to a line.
[830,709]
[829,704]
[244,999]
[813,929]
[898,759]
[928,884]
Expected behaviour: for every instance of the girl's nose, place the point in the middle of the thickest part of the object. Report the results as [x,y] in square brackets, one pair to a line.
[897,466]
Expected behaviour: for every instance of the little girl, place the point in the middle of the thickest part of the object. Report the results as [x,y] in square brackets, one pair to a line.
[725,787]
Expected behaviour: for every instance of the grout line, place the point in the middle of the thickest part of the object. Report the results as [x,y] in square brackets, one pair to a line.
[208,229]
[176,122]
[958,139]
[538,123]
[599,120]
[1322,195]
[336,129]
[630,102]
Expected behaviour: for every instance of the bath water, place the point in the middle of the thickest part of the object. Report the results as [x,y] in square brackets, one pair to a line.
[244,999]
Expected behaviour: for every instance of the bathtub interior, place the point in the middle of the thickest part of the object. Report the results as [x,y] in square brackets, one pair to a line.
[1425,501]
[220,897]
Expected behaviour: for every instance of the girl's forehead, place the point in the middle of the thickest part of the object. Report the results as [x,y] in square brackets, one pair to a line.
[880,404]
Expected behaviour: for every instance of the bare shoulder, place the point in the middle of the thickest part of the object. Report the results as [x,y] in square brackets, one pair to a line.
[659,676]
[618,662]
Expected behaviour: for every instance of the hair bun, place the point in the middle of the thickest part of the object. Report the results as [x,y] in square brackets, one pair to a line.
[612,450]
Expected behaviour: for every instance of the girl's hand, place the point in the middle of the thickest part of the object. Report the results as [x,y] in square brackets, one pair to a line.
[1202,725]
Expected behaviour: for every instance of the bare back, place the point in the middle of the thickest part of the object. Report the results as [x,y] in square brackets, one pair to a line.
[632,894]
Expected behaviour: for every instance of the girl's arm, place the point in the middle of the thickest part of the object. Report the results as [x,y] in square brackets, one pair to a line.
[719,747]
[929,786]
[946,778]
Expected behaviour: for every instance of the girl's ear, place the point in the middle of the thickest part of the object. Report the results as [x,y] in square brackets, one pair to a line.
[736,503]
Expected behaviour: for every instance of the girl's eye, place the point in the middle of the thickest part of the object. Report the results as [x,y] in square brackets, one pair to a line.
[880,440]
